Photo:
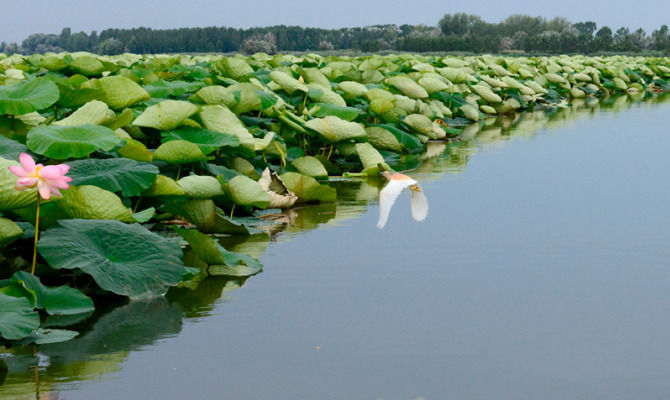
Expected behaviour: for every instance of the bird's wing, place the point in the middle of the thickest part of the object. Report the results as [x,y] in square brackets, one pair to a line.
[387,198]
[419,205]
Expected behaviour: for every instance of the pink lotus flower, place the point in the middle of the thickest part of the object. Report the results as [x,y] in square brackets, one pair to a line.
[47,179]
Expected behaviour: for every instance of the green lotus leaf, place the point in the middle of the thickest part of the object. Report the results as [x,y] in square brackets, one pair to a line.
[92,202]
[307,188]
[370,157]
[27,96]
[128,260]
[221,119]
[179,152]
[53,63]
[310,166]
[46,336]
[409,141]
[419,123]
[133,149]
[382,139]
[162,89]
[219,260]
[433,84]
[10,198]
[61,300]
[206,140]
[323,110]
[61,142]
[336,129]
[408,87]
[313,75]
[94,112]
[205,215]
[73,95]
[325,95]
[201,187]
[352,89]
[9,231]
[164,186]
[234,67]
[248,192]
[166,115]
[288,83]
[87,65]
[123,175]
[11,149]
[215,94]
[17,317]
[120,92]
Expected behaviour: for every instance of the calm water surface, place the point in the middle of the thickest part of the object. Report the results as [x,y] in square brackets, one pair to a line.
[541,273]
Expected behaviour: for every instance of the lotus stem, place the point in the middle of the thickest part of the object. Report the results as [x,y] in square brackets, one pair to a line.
[330,152]
[178,173]
[137,204]
[232,210]
[37,233]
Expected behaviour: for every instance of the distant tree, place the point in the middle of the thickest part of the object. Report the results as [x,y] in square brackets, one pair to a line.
[110,46]
[459,24]
[661,38]
[603,40]
[586,29]
[266,44]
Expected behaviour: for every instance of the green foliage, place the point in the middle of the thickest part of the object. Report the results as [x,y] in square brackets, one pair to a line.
[128,260]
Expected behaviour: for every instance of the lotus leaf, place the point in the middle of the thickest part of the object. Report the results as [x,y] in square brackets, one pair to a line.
[280,196]
[9,231]
[219,260]
[419,123]
[133,149]
[221,119]
[335,129]
[288,83]
[234,67]
[324,110]
[164,186]
[307,188]
[205,139]
[62,142]
[128,260]
[120,92]
[17,317]
[408,87]
[166,115]
[11,149]
[114,174]
[179,152]
[92,202]
[247,192]
[201,187]
[27,96]
[9,197]
[94,112]
[370,157]
[310,166]
[204,215]
[352,89]
[383,139]
[61,300]
[87,65]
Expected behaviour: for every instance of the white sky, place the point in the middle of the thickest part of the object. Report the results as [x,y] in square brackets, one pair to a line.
[18,19]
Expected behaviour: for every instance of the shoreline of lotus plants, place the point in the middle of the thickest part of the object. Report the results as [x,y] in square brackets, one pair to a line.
[165,153]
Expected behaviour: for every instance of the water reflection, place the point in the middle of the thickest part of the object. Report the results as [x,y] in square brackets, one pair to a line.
[108,337]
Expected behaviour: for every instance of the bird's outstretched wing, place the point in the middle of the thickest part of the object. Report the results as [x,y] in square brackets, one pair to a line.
[387,198]
[419,205]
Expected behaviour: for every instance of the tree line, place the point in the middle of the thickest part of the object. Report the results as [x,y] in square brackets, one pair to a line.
[454,32]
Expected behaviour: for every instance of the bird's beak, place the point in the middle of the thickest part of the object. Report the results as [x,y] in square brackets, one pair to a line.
[415,188]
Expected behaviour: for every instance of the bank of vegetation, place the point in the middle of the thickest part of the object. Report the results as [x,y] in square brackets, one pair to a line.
[454,32]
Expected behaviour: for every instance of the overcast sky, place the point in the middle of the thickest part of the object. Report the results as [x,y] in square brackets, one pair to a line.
[18,19]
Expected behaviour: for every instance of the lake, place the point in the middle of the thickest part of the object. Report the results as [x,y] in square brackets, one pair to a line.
[540,272]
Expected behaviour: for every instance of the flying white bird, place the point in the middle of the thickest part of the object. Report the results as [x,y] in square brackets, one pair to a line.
[397,183]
